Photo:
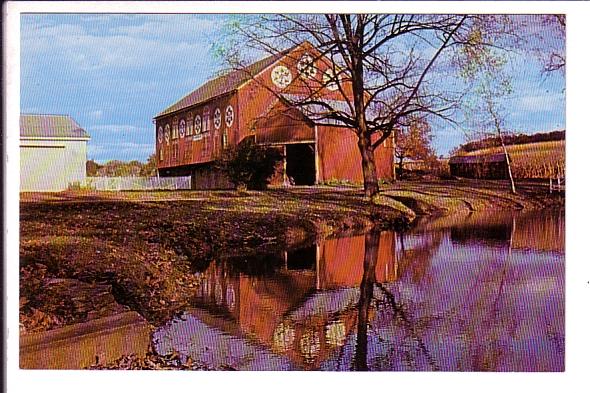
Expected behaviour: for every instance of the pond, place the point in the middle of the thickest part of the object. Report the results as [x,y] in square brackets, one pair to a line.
[481,293]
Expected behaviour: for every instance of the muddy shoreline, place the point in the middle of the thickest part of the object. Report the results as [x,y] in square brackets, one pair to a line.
[86,256]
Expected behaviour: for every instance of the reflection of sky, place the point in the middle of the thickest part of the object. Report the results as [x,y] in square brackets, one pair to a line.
[478,308]
[191,337]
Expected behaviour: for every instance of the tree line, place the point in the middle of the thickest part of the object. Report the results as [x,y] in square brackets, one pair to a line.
[118,168]
[512,139]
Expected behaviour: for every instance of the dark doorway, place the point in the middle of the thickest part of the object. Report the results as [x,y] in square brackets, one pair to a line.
[302,258]
[301,164]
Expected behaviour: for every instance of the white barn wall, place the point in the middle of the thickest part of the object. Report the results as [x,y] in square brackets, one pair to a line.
[52,164]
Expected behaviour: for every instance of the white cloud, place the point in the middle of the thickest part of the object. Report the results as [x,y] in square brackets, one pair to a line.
[540,103]
[154,43]
[97,114]
[116,128]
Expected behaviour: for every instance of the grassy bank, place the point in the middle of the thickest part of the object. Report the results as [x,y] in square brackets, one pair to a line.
[145,246]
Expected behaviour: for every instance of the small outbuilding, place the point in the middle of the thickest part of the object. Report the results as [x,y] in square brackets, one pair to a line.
[52,153]
[481,166]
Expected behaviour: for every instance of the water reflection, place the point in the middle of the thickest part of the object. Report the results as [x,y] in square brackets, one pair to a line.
[482,293]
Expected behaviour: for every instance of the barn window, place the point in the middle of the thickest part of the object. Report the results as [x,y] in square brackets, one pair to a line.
[206,120]
[189,125]
[160,134]
[174,131]
[197,125]
[175,151]
[205,150]
[167,133]
[181,128]
[224,140]
[161,154]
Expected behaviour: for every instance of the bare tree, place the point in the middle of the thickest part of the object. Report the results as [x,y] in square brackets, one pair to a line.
[387,68]
[490,87]
[552,37]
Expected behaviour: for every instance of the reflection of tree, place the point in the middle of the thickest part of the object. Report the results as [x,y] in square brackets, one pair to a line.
[417,260]
[367,282]
[398,311]
[490,315]
[366,295]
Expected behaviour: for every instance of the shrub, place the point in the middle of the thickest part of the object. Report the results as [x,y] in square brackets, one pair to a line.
[250,165]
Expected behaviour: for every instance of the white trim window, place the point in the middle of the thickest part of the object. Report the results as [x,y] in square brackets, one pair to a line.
[224,140]
[189,125]
[160,134]
[206,120]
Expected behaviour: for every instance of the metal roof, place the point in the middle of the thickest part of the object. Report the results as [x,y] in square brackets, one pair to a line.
[478,159]
[50,126]
[222,84]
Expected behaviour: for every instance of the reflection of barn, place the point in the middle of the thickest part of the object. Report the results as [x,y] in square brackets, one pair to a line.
[489,166]
[306,309]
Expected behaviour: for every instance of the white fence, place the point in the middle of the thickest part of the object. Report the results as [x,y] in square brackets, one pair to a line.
[138,183]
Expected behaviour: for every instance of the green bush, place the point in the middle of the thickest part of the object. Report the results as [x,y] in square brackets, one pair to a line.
[250,165]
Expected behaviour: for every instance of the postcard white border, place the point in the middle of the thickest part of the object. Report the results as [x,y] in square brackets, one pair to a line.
[577,266]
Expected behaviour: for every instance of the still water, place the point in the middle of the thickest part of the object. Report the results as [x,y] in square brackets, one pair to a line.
[482,293]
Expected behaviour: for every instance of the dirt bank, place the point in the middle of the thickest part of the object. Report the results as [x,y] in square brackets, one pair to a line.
[143,247]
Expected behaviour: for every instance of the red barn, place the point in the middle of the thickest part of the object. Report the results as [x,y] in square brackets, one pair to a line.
[253,102]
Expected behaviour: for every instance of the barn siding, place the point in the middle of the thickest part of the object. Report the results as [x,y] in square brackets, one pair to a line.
[340,159]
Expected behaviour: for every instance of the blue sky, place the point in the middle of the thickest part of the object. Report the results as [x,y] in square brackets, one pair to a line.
[113,73]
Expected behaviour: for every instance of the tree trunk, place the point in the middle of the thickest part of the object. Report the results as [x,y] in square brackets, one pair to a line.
[366,295]
[509,165]
[370,179]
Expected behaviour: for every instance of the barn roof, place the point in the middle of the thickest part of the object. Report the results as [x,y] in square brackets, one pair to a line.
[222,84]
[50,126]
[478,159]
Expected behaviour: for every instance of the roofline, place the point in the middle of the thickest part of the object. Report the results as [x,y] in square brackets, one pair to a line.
[193,105]
[286,52]
[45,114]
[56,138]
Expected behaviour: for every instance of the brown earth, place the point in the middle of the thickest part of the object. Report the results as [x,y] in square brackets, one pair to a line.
[79,248]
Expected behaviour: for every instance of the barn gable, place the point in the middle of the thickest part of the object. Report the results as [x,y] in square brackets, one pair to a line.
[222,85]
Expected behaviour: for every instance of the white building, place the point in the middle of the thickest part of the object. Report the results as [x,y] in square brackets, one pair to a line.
[52,153]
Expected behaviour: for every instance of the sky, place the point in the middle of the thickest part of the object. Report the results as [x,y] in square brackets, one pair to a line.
[113,73]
